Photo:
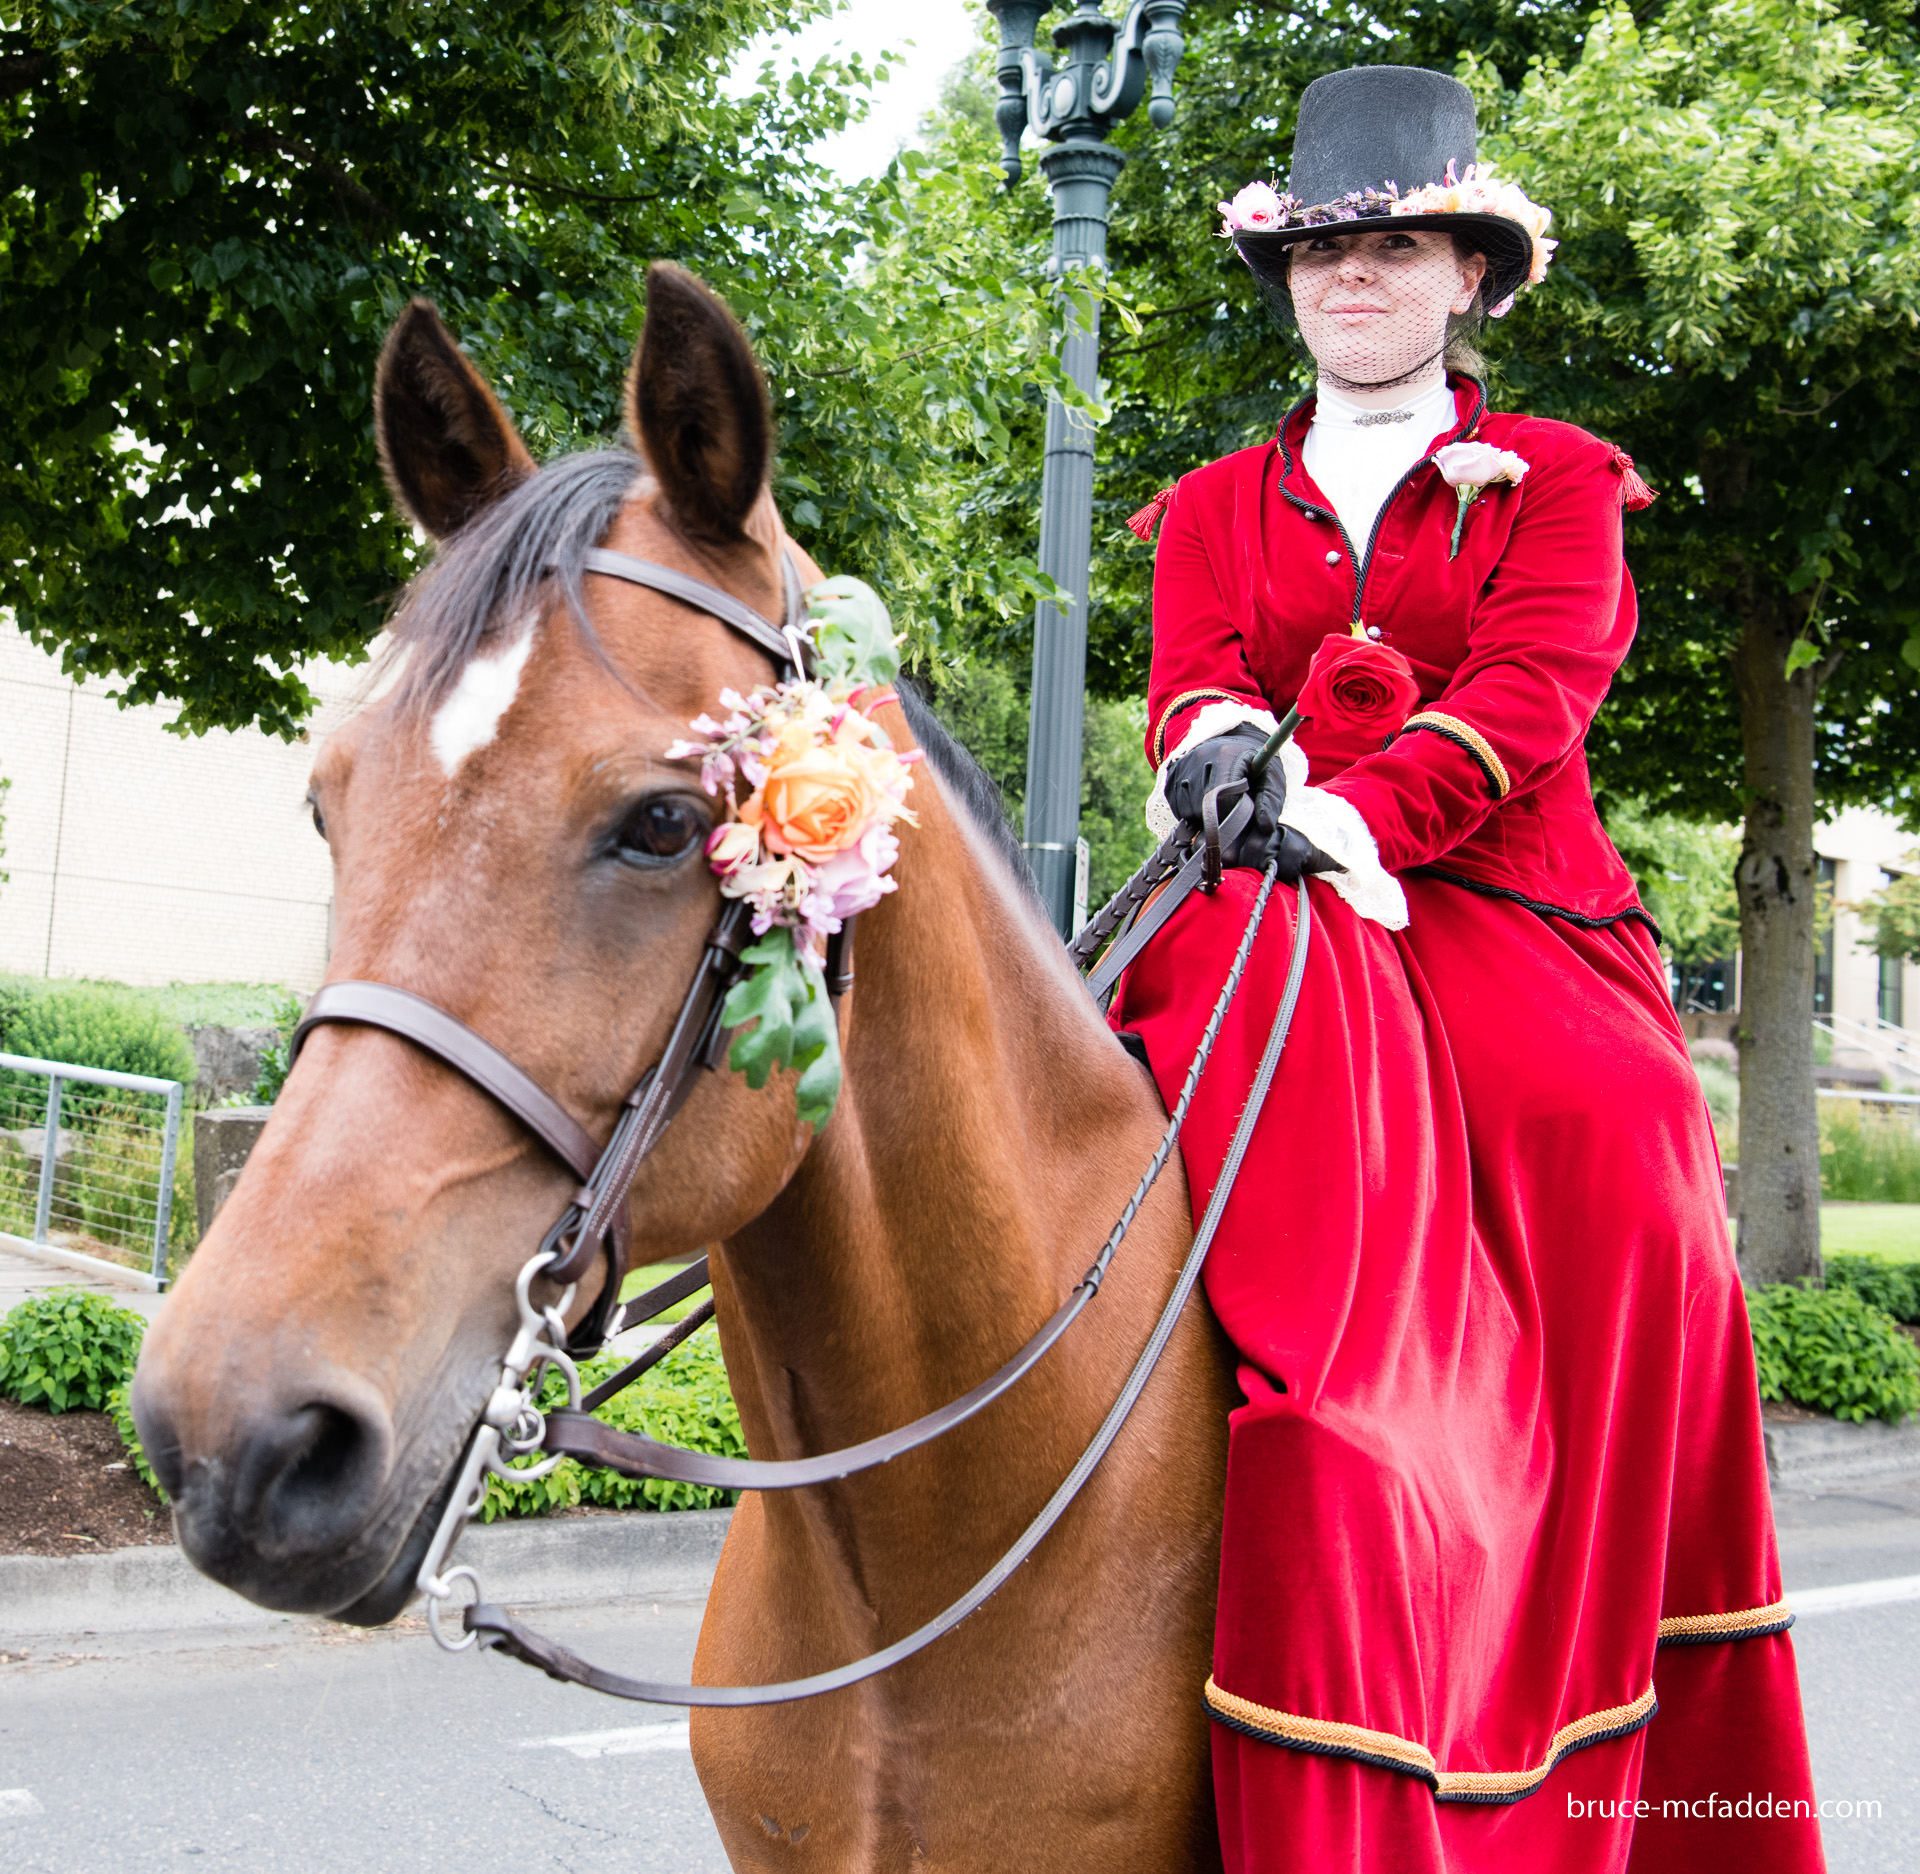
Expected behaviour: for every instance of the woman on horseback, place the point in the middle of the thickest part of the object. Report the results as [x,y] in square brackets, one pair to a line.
[1500,1587]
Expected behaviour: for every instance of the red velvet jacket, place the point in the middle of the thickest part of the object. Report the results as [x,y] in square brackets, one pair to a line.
[1513,643]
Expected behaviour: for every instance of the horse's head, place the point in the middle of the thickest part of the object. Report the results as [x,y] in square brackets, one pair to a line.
[510,841]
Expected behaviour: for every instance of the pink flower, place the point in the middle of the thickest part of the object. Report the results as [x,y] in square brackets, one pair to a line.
[1256,209]
[1476,464]
[731,845]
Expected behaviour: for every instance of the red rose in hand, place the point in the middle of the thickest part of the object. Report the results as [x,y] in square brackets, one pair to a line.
[1359,688]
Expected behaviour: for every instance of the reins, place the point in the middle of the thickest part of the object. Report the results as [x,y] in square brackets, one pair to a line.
[594,1224]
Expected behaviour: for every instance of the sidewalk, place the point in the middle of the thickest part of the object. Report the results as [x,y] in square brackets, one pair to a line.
[22,1275]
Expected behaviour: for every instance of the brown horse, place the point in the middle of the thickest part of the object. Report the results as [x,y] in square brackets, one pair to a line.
[510,840]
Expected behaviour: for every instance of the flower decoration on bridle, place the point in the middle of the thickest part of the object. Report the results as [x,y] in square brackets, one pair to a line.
[812,841]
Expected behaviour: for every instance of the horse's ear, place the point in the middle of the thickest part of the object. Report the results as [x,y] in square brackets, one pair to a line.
[698,406]
[445,443]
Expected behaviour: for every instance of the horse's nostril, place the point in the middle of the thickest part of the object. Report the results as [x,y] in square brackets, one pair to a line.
[310,1476]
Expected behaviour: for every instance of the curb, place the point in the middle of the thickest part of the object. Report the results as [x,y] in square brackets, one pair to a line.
[1832,1453]
[539,1562]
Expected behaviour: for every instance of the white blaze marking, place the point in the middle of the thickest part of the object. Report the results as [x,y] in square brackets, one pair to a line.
[672,1735]
[16,1802]
[1854,1594]
[470,717]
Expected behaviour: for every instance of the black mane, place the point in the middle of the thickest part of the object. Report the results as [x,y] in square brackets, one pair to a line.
[975,788]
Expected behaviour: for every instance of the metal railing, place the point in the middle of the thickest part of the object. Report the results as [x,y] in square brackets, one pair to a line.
[106,1146]
[1897,1048]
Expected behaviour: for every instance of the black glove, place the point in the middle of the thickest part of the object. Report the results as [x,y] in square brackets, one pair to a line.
[1221,761]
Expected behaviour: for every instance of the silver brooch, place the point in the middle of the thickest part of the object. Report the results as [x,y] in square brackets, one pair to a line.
[1374,417]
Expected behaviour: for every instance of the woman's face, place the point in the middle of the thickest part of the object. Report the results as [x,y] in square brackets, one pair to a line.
[1373,306]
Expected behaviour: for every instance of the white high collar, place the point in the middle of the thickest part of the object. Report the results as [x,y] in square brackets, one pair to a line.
[1358,455]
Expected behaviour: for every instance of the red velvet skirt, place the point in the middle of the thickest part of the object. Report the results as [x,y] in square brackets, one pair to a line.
[1499,1587]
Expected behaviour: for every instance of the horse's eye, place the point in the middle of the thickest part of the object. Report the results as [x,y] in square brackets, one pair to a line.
[666,827]
[319,818]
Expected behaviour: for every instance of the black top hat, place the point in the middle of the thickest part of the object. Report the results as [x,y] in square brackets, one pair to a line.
[1372,135]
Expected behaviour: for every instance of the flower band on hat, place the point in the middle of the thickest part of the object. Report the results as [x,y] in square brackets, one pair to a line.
[1260,209]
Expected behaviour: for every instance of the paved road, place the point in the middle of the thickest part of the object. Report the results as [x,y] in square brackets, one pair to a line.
[327,1752]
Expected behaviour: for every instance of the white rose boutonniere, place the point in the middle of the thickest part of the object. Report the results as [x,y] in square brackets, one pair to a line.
[1470,467]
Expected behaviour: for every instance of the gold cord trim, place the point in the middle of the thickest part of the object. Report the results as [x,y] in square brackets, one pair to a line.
[1353,1740]
[1733,1626]
[1468,738]
[1173,709]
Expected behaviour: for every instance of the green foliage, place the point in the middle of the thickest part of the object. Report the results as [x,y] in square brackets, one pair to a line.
[67,1349]
[1684,873]
[1892,916]
[94,1025]
[853,636]
[1832,1350]
[1734,185]
[5,783]
[277,1057]
[684,1401]
[785,996]
[1892,1287]
[121,1411]
[212,212]
[985,706]
[1868,1155]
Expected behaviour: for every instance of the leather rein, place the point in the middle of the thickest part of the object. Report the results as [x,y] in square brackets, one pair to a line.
[594,1225]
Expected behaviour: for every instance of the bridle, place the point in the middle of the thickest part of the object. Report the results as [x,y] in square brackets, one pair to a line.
[594,1225]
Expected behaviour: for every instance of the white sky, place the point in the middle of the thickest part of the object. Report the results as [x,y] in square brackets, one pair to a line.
[932,35]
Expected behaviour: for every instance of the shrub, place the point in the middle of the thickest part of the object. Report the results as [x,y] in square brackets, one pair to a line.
[1867,1154]
[1892,1287]
[1830,1349]
[277,1058]
[67,1349]
[122,1413]
[95,1025]
[685,1400]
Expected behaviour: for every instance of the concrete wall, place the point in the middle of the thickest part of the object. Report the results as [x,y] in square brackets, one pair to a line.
[144,857]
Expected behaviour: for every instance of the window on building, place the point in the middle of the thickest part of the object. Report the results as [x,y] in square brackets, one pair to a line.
[1892,995]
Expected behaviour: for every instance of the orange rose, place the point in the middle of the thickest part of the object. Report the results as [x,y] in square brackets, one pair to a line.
[815,802]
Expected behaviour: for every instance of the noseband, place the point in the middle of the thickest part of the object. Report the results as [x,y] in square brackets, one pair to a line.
[595,1224]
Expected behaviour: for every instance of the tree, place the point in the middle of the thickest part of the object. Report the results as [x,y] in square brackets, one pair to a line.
[1892,915]
[1736,295]
[211,210]
[1685,875]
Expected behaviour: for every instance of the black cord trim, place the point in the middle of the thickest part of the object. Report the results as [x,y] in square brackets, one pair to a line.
[1727,1639]
[1477,1799]
[1310,1748]
[1534,905]
[1459,741]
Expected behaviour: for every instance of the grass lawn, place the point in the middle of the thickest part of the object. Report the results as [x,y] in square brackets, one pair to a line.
[1889,1230]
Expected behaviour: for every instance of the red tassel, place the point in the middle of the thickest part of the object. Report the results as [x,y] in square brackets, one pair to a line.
[1148,518]
[1633,491]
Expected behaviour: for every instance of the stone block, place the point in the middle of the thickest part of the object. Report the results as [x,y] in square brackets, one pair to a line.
[222,1139]
[227,1060]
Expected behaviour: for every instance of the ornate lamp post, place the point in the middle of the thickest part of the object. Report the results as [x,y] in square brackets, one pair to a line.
[1104,69]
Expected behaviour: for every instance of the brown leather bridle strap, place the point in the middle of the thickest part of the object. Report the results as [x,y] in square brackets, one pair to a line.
[703,597]
[452,1042]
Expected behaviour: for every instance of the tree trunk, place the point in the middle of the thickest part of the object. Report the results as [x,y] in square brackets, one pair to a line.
[1779,1127]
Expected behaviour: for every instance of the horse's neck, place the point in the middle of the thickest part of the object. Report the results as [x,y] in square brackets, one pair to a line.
[943,1213]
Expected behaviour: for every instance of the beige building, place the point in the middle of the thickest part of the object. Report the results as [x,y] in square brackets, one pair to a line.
[138,856]
[1865,1001]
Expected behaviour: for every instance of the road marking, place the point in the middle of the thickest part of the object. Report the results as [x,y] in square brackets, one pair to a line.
[17,1802]
[672,1735]
[1855,1594]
